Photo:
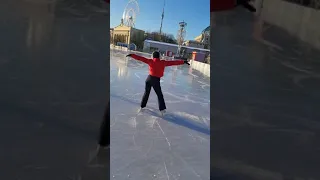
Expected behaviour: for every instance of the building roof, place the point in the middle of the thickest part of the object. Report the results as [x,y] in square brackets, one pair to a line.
[175,45]
[207,29]
[124,27]
[198,38]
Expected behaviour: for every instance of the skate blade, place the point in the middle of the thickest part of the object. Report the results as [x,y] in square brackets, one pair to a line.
[140,110]
[162,113]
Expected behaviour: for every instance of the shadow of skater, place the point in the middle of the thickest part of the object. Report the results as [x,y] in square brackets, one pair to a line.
[179,120]
[174,118]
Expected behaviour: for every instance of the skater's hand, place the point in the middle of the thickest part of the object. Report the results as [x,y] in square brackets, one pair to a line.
[129,55]
[186,62]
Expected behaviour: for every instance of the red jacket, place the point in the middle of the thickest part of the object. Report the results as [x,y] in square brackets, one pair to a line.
[156,66]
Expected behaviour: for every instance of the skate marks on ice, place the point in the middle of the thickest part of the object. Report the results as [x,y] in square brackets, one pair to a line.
[156,154]
[97,167]
[150,116]
[147,146]
[299,72]
[190,98]
[299,59]
[196,123]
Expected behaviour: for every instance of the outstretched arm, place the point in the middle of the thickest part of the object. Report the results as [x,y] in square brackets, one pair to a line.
[174,63]
[139,58]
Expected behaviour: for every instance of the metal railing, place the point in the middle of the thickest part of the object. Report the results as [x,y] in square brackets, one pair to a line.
[315,4]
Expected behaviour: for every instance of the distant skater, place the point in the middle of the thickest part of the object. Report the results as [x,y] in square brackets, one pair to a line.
[156,71]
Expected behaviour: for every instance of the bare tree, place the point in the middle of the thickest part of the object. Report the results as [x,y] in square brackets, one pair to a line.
[163,37]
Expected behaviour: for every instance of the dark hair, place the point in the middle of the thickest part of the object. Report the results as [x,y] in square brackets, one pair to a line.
[156,54]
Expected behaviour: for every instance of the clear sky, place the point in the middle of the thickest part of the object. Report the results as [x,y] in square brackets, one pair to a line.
[196,13]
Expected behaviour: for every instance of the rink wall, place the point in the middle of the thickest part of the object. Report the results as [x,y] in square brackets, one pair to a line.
[202,67]
[125,50]
[300,21]
[118,47]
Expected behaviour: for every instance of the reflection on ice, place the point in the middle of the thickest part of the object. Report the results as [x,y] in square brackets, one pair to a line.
[147,146]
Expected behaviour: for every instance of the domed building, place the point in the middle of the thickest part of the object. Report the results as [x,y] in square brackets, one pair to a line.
[204,37]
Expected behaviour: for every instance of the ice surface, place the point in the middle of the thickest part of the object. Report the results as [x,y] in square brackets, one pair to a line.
[145,146]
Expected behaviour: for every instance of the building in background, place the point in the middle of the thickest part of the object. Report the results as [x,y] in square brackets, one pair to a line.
[193,43]
[198,38]
[204,38]
[127,35]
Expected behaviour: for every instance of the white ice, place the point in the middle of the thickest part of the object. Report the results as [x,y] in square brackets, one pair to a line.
[145,146]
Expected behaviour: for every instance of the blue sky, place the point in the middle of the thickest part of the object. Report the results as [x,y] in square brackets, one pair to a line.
[196,13]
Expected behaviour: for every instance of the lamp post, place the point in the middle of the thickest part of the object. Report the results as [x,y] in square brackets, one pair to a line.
[181,35]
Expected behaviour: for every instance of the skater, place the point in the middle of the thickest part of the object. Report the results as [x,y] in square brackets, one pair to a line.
[156,70]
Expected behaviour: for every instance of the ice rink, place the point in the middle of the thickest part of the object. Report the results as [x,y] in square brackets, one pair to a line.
[145,146]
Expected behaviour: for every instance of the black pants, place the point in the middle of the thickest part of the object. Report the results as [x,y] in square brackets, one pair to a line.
[154,82]
[104,136]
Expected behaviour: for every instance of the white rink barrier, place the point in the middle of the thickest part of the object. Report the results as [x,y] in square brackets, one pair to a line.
[125,50]
[299,21]
[202,67]
[118,48]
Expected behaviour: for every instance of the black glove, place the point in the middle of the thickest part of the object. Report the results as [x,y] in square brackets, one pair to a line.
[245,4]
[129,55]
[186,62]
